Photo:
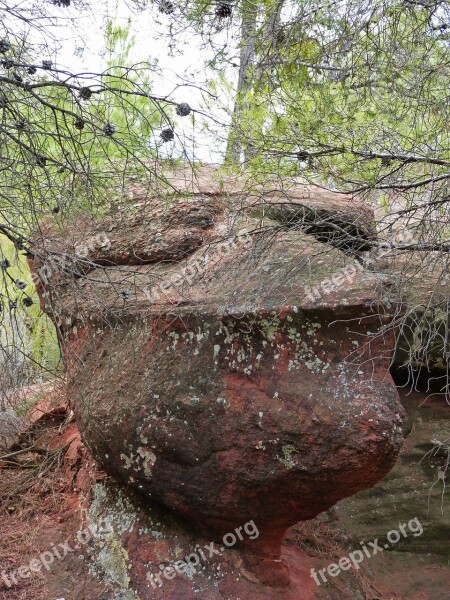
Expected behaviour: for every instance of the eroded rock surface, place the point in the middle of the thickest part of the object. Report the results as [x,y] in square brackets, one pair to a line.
[211,379]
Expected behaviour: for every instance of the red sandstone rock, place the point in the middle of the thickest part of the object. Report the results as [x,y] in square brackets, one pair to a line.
[237,387]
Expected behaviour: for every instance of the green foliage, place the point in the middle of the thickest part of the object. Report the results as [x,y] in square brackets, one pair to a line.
[65,139]
[385,94]
[27,336]
[65,142]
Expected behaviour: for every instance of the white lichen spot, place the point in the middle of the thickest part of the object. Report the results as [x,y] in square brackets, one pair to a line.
[293,365]
[149,459]
[127,460]
[287,459]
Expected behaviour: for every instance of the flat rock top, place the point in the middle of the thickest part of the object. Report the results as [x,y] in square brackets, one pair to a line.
[213,243]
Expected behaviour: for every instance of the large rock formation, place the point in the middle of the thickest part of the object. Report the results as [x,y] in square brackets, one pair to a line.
[209,370]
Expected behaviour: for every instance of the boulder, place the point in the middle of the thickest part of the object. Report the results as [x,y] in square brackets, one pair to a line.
[215,377]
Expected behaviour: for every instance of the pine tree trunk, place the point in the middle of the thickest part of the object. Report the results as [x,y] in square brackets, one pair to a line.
[247,74]
[247,59]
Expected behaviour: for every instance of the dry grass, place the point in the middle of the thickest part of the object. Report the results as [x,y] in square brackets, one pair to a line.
[30,500]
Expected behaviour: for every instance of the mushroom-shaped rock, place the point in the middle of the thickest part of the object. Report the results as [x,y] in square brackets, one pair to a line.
[242,380]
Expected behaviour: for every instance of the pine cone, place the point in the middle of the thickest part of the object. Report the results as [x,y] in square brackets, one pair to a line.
[183,109]
[167,135]
[20,284]
[224,10]
[302,155]
[166,7]
[79,123]
[47,65]
[85,93]
[27,302]
[4,46]
[109,129]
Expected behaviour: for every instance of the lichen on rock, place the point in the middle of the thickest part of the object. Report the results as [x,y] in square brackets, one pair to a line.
[257,398]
